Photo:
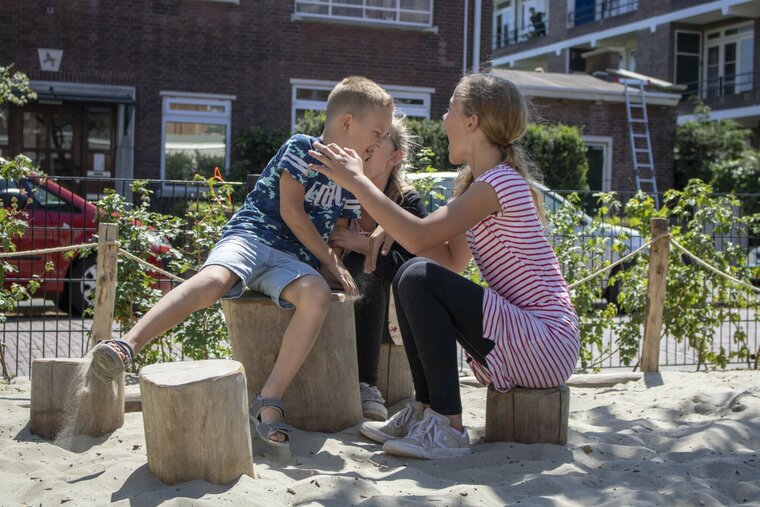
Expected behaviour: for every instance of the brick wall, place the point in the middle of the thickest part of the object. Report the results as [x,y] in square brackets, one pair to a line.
[250,50]
[608,119]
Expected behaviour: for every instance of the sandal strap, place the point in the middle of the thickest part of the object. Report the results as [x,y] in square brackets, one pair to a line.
[259,403]
[125,347]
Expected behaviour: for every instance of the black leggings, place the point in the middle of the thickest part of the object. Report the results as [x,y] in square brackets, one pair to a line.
[437,308]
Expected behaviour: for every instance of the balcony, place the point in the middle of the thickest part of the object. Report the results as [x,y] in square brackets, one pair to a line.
[600,10]
[723,92]
[504,36]
[409,13]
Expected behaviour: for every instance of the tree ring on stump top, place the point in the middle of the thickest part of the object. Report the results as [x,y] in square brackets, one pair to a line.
[188,372]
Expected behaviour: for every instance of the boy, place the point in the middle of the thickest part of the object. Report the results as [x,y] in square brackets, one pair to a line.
[273,245]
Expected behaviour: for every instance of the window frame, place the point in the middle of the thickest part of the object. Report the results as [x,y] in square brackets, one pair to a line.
[606,143]
[395,91]
[330,4]
[206,117]
[720,42]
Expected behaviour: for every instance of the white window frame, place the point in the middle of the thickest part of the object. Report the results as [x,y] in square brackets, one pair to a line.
[605,142]
[362,20]
[721,42]
[182,116]
[676,54]
[395,91]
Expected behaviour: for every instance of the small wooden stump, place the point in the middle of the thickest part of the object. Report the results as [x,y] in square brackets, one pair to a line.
[324,395]
[394,378]
[528,416]
[195,415]
[69,400]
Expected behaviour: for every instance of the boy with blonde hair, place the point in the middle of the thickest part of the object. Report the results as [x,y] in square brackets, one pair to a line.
[274,244]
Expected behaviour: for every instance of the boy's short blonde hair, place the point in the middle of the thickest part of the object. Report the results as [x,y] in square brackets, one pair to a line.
[354,95]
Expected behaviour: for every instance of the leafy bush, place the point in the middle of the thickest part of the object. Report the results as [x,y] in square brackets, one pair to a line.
[312,123]
[183,166]
[560,154]
[254,147]
[432,145]
[740,175]
[704,142]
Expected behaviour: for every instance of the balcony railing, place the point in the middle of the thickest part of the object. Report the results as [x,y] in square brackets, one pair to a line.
[722,86]
[601,10]
[505,37]
[393,12]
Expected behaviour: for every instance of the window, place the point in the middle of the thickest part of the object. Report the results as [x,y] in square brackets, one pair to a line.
[310,95]
[728,61]
[580,12]
[599,156]
[688,51]
[195,135]
[395,12]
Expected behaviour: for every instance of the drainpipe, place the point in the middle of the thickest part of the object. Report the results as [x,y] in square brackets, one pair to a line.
[478,14]
[464,41]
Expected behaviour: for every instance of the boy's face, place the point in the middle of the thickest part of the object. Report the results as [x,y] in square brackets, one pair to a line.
[366,132]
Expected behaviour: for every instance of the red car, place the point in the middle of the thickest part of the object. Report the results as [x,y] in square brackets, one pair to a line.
[57,217]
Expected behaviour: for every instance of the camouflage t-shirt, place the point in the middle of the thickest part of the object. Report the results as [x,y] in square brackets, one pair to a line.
[324,201]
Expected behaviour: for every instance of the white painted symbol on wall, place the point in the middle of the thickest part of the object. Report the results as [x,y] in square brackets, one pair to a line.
[50,59]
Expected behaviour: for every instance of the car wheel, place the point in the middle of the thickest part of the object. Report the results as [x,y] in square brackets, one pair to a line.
[81,286]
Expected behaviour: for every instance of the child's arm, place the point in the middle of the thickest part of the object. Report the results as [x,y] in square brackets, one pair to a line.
[292,212]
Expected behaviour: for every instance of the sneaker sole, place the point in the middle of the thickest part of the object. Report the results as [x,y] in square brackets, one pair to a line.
[376,435]
[399,448]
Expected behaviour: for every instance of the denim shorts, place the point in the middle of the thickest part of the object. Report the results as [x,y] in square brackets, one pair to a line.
[260,267]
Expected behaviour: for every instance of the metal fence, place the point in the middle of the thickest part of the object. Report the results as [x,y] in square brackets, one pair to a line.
[51,323]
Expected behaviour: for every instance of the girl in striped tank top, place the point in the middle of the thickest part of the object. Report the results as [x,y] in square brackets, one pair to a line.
[522,329]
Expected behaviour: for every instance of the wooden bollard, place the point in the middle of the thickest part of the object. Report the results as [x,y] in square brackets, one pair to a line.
[324,395]
[394,378]
[69,400]
[195,415]
[657,282]
[105,283]
[528,416]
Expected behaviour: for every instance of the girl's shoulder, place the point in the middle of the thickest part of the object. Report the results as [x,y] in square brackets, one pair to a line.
[501,175]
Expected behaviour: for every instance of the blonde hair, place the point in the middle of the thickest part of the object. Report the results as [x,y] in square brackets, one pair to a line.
[354,95]
[503,116]
[402,140]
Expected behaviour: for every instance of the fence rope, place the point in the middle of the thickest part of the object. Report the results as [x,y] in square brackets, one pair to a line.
[150,266]
[714,269]
[8,255]
[616,263]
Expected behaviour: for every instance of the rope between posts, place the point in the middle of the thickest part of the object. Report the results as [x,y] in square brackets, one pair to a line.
[713,269]
[616,263]
[150,266]
[8,255]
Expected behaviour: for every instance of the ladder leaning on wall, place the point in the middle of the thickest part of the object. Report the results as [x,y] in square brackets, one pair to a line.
[638,133]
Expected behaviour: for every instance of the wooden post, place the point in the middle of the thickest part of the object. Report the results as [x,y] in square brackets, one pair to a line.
[195,415]
[394,378]
[69,400]
[324,395]
[656,286]
[105,288]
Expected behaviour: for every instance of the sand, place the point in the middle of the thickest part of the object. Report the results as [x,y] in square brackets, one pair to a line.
[675,439]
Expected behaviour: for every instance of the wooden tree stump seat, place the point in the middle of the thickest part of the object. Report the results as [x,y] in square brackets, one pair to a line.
[324,395]
[69,400]
[394,378]
[528,416]
[195,415]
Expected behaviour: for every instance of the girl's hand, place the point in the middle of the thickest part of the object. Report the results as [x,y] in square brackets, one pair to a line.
[379,240]
[344,166]
[349,240]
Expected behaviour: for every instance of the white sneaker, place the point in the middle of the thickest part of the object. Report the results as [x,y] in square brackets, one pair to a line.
[373,404]
[397,426]
[431,438]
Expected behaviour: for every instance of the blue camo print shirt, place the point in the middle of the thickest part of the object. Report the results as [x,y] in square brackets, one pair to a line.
[324,201]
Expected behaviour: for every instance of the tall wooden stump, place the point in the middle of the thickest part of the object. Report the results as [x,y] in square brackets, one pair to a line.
[69,400]
[324,395]
[528,416]
[195,415]
[394,378]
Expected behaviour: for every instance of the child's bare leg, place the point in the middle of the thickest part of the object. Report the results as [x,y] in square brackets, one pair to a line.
[200,291]
[311,297]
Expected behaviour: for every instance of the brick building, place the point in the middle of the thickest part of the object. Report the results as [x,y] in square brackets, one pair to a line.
[707,46]
[125,88]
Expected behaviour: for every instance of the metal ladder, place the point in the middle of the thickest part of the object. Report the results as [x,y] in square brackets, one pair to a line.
[641,142]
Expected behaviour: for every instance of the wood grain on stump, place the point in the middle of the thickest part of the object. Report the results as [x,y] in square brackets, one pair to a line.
[528,416]
[394,378]
[196,421]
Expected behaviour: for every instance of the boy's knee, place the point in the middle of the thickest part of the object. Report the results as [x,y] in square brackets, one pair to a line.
[312,291]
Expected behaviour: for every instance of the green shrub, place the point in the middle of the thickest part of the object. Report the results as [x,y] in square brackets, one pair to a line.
[740,175]
[183,166]
[704,142]
[254,147]
[432,145]
[312,123]
[560,154]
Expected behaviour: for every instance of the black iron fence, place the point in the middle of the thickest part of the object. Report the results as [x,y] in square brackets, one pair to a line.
[52,322]
[721,86]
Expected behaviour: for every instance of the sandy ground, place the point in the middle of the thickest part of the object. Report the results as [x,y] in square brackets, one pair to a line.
[674,439]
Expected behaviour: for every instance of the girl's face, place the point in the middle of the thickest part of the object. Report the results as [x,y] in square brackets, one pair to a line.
[455,123]
[381,160]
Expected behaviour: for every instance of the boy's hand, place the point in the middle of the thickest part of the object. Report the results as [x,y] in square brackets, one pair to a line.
[348,240]
[338,273]
[379,240]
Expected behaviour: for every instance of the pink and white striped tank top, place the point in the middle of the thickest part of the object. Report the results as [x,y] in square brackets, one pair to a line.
[527,310]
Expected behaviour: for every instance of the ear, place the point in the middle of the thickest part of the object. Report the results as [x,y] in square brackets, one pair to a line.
[397,157]
[345,121]
[472,122]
